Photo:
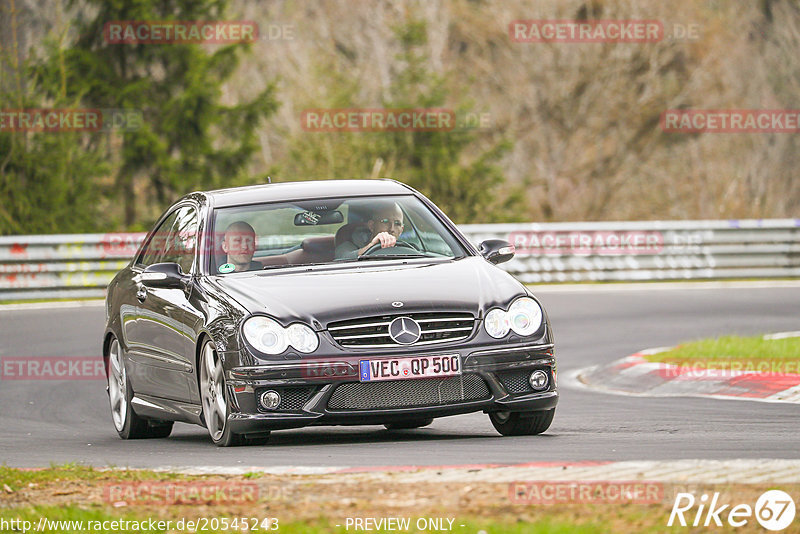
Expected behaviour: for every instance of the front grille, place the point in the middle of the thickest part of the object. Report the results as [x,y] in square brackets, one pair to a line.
[370,332]
[292,398]
[409,393]
[516,381]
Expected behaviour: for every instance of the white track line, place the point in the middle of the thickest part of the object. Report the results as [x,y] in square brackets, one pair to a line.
[662,286]
[93,303]
[782,335]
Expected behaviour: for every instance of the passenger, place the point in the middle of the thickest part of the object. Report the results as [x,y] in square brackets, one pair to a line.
[384,227]
[239,244]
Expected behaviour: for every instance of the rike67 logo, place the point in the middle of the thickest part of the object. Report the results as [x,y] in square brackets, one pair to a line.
[774,510]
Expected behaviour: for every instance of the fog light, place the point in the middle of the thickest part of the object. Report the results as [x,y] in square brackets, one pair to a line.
[270,399]
[538,380]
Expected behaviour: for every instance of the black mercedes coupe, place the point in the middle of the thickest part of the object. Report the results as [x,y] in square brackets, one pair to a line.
[336,302]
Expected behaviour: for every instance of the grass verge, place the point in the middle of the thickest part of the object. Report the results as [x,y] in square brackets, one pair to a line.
[324,503]
[730,352]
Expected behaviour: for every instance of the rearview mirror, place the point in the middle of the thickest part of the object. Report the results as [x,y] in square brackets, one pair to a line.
[163,275]
[496,250]
[313,218]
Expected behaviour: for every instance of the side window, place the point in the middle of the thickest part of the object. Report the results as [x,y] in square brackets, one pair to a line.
[426,236]
[155,250]
[182,240]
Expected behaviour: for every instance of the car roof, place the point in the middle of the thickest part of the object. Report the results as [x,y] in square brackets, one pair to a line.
[285,191]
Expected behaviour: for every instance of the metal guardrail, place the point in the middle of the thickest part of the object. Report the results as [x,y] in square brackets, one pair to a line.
[62,266]
[81,265]
[649,250]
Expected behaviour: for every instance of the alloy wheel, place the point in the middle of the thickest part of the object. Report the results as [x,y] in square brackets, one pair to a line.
[117,385]
[212,390]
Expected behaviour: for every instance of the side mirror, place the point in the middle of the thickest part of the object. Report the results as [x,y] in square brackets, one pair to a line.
[163,275]
[496,250]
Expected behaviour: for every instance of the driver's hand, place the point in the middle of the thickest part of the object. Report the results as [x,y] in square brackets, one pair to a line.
[385,239]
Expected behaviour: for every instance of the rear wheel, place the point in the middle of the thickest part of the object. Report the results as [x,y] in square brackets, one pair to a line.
[522,423]
[411,423]
[126,422]
[214,395]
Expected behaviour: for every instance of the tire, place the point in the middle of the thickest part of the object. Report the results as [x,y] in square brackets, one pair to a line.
[214,397]
[127,424]
[522,423]
[411,423]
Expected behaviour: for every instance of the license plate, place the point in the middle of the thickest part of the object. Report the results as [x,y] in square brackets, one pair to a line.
[405,368]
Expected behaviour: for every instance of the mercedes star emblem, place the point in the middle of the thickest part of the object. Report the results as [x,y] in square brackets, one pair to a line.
[404,330]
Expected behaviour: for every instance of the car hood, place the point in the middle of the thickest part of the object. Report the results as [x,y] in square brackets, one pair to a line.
[329,294]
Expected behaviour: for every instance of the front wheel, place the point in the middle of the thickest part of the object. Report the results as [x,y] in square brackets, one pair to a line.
[120,393]
[522,423]
[215,398]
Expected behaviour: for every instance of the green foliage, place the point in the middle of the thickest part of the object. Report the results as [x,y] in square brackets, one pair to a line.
[46,184]
[191,138]
[17,478]
[188,138]
[47,179]
[454,168]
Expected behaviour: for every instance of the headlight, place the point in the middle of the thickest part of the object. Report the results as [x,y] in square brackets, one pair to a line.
[265,335]
[269,337]
[525,316]
[496,323]
[302,338]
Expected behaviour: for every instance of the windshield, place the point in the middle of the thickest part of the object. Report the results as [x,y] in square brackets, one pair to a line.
[327,231]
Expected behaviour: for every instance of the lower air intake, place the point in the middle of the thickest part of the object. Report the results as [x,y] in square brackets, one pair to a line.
[409,393]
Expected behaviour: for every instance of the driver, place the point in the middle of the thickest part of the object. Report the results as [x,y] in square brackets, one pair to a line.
[239,244]
[384,227]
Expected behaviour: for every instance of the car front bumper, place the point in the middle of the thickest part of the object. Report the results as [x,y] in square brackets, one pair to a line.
[492,380]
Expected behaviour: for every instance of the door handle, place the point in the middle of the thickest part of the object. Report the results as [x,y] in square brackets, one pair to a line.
[141,294]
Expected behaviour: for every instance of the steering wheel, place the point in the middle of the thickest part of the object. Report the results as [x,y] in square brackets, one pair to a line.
[377,246]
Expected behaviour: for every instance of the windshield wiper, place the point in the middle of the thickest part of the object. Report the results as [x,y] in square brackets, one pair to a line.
[392,257]
[282,265]
[339,262]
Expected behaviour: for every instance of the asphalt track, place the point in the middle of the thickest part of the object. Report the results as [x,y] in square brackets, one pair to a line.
[44,422]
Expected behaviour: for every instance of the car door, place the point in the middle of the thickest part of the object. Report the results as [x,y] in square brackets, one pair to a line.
[161,348]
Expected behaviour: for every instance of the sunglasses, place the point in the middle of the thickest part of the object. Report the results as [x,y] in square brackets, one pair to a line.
[397,222]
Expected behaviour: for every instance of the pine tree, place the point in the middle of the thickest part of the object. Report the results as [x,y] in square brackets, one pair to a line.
[188,139]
